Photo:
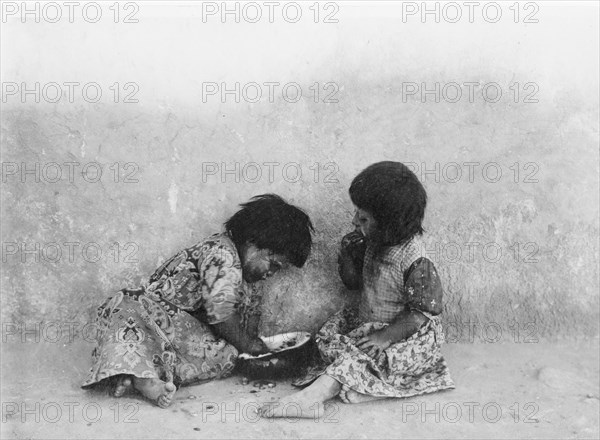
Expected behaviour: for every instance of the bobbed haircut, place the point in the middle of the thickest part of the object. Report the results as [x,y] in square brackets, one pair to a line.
[395,198]
[269,222]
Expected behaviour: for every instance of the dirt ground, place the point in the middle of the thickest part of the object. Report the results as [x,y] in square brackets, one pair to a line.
[540,390]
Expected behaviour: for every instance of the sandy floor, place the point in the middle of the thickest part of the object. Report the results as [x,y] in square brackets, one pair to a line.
[503,391]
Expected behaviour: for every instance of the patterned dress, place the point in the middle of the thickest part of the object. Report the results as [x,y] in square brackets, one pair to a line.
[395,280]
[162,330]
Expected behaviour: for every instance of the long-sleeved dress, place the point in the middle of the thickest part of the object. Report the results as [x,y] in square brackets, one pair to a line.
[162,329]
[394,280]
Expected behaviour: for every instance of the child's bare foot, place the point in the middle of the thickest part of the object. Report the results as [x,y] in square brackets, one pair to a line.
[348,395]
[156,390]
[293,407]
[122,385]
[308,403]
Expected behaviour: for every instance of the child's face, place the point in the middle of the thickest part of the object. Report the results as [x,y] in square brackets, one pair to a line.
[364,221]
[259,264]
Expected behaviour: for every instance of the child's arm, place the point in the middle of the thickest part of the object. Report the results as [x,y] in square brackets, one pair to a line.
[425,292]
[232,331]
[407,323]
[350,260]
[348,271]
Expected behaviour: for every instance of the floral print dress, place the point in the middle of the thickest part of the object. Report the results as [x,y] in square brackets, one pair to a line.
[162,329]
[394,280]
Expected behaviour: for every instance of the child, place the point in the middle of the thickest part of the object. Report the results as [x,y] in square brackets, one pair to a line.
[390,345]
[190,321]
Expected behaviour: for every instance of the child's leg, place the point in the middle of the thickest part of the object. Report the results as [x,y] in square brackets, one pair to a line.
[156,390]
[348,395]
[307,403]
[123,383]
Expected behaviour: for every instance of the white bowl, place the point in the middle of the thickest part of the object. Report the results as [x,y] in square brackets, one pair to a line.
[279,343]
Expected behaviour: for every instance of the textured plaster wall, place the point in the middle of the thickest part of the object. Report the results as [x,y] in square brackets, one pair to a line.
[170,133]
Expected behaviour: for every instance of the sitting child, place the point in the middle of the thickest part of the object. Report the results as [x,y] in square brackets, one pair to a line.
[390,345]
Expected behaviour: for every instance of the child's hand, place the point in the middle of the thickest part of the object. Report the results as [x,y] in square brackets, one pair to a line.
[374,343]
[257,346]
[350,259]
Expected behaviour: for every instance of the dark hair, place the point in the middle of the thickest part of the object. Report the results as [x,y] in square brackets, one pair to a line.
[269,222]
[395,198]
